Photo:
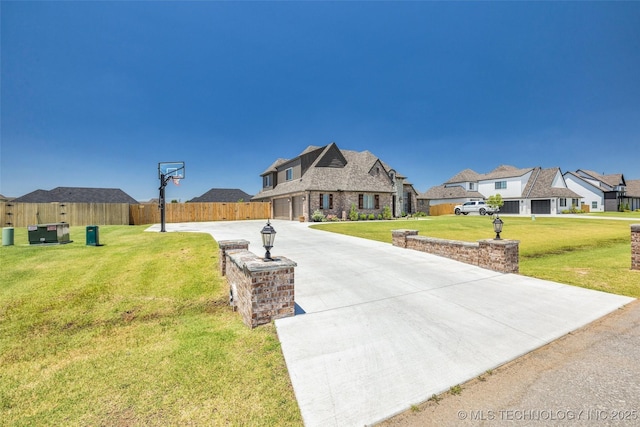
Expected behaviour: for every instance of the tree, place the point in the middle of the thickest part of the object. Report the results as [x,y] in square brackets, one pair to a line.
[495,201]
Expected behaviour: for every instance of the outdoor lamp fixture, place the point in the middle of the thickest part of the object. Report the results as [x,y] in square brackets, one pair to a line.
[497,227]
[268,236]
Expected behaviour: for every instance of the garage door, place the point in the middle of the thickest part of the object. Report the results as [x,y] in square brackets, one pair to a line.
[541,206]
[510,207]
[281,209]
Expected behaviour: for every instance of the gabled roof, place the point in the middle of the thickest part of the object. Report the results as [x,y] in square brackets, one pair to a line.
[505,171]
[77,195]
[633,188]
[466,175]
[330,168]
[222,195]
[612,180]
[540,185]
[452,192]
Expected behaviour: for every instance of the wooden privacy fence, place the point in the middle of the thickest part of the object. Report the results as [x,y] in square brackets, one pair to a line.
[81,214]
[442,209]
[24,214]
[149,213]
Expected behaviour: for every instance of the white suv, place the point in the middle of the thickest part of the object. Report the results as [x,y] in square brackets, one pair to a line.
[481,207]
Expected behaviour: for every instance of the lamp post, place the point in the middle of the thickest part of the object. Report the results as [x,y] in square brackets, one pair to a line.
[497,227]
[268,236]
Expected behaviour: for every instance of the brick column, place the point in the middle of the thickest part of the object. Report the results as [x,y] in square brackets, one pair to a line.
[499,255]
[399,237]
[635,246]
[262,290]
[226,246]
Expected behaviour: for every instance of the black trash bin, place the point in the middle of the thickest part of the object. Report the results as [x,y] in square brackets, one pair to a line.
[93,235]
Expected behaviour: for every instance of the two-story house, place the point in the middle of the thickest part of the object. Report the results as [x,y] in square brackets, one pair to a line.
[332,180]
[602,193]
[524,191]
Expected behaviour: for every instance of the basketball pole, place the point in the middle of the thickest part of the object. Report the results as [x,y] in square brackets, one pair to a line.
[163,183]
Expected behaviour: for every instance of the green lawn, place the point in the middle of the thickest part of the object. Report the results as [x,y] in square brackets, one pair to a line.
[136,332]
[592,253]
[139,331]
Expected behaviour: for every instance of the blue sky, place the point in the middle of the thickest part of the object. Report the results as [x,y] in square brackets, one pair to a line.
[95,94]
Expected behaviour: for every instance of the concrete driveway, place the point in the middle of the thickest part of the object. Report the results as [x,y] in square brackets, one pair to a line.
[381,328]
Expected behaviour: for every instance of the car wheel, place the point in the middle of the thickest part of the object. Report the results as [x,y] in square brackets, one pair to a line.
[457,211]
[466,213]
[483,211]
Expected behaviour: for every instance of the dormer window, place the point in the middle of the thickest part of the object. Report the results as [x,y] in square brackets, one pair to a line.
[266,181]
[472,186]
[288,174]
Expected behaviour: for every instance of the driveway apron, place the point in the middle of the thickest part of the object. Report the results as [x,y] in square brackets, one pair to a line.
[380,328]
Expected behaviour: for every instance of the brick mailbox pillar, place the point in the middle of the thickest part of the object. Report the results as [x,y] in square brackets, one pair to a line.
[261,290]
[635,246]
[226,246]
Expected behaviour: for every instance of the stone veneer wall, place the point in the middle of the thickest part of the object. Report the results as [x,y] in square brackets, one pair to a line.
[497,255]
[261,290]
[225,246]
[635,246]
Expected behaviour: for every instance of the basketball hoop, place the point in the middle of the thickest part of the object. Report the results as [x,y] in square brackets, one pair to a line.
[176,180]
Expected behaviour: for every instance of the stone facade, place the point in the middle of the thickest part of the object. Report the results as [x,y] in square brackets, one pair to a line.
[261,290]
[342,201]
[226,246]
[635,246]
[497,255]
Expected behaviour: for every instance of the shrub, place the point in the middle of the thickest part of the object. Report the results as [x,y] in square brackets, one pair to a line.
[363,217]
[379,216]
[332,218]
[419,214]
[372,217]
[386,213]
[318,216]
[353,213]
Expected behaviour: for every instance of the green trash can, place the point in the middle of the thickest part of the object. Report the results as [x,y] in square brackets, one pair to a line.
[7,236]
[93,235]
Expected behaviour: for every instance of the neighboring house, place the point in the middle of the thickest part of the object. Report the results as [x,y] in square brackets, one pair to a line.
[332,180]
[631,199]
[524,191]
[3,198]
[77,195]
[602,193]
[223,195]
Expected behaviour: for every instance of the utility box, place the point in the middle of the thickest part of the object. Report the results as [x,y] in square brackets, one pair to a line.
[49,233]
[93,235]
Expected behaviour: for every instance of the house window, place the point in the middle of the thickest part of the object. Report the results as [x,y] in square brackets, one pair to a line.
[594,205]
[501,185]
[368,201]
[266,181]
[472,186]
[563,202]
[575,202]
[288,174]
[326,201]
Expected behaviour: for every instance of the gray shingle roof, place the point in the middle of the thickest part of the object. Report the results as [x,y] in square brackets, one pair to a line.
[452,192]
[611,180]
[633,188]
[77,195]
[323,176]
[540,185]
[222,195]
[466,175]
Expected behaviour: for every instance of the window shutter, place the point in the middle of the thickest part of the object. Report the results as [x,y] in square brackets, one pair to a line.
[330,201]
[321,199]
[377,198]
[359,201]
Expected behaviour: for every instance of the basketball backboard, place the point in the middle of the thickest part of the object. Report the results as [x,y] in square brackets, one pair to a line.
[171,170]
